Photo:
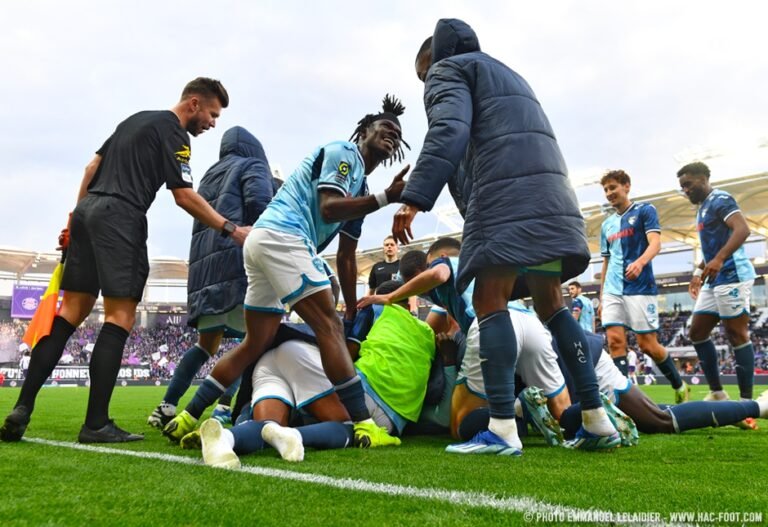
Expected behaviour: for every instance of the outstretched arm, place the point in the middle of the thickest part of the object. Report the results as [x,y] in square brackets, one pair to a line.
[422,283]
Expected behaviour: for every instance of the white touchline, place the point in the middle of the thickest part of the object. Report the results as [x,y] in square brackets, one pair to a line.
[452,497]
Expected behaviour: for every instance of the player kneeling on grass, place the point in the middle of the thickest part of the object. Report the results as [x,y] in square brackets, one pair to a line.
[434,274]
[283,266]
[393,353]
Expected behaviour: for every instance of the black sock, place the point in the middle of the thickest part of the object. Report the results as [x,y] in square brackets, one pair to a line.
[103,370]
[45,356]
[621,364]
[243,400]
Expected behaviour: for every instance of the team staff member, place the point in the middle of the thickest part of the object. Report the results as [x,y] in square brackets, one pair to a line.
[107,252]
[387,269]
[491,143]
[239,185]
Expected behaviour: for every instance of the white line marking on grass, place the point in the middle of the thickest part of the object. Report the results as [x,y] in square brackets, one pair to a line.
[530,507]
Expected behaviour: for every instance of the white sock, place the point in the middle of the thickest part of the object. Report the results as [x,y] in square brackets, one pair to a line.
[507,430]
[228,438]
[596,421]
[762,403]
[518,408]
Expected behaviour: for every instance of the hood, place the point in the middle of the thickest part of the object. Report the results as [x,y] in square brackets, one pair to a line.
[240,142]
[453,37]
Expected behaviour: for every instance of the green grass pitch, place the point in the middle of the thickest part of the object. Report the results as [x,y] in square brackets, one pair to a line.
[713,470]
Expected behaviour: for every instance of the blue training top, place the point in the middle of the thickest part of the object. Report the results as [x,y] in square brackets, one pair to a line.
[714,233]
[459,306]
[586,312]
[623,239]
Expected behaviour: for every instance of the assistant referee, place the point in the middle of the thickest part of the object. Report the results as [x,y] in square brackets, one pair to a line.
[107,251]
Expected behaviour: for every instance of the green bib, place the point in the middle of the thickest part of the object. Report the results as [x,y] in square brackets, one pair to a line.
[396,357]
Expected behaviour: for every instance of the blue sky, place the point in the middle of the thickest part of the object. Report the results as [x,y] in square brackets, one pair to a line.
[641,86]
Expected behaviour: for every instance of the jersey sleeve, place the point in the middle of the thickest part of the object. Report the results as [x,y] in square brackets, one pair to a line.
[604,249]
[103,150]
[725,206]
[176,154]
[650,219]
[336,170]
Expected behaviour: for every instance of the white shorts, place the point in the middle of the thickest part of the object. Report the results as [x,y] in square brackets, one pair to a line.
[281,268]
[292,373]
[640,313]
[609,379]
[724,301]
[232,323]
[536,360]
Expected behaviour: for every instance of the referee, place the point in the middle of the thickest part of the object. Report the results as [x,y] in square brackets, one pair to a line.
[107,251]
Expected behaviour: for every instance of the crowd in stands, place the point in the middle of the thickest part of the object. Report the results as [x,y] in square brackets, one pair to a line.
[162,347]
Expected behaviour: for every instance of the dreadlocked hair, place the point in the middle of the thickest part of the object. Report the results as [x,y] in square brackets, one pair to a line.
[390,105]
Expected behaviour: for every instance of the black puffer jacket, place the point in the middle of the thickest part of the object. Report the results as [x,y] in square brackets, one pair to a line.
[239,186]
[490,140]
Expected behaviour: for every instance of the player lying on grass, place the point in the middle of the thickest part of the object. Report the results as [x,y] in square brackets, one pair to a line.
[652,418]
[393,353]
[434,276]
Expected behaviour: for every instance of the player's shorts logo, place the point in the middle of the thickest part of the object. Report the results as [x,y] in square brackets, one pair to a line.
[318,263]
[651,309]
[734,293]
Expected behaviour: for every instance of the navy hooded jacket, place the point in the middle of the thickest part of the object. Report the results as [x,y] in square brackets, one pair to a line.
[491,142]
[239,186]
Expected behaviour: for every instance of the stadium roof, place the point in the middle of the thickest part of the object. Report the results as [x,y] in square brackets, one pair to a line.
[676,215]
[18,264]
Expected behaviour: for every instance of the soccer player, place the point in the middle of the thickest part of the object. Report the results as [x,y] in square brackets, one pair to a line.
[581,307]
[534,351]
[722,282]
[632,365]
[393,352]
[652,418]
[491,142]
[240,185]
[283,266]
[107,249]
[629,239]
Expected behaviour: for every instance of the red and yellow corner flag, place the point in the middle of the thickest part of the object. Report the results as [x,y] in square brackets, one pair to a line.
[42,322]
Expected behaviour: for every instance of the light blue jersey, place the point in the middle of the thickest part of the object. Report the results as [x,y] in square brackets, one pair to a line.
[586,312]
[459,306]
[714,233]
[295,209]
[623,239]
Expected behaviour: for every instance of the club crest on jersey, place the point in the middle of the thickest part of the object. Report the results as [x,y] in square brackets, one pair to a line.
[318,263]
[632,220]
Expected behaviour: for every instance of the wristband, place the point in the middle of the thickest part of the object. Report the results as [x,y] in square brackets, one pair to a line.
[381,199]
[698,272]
